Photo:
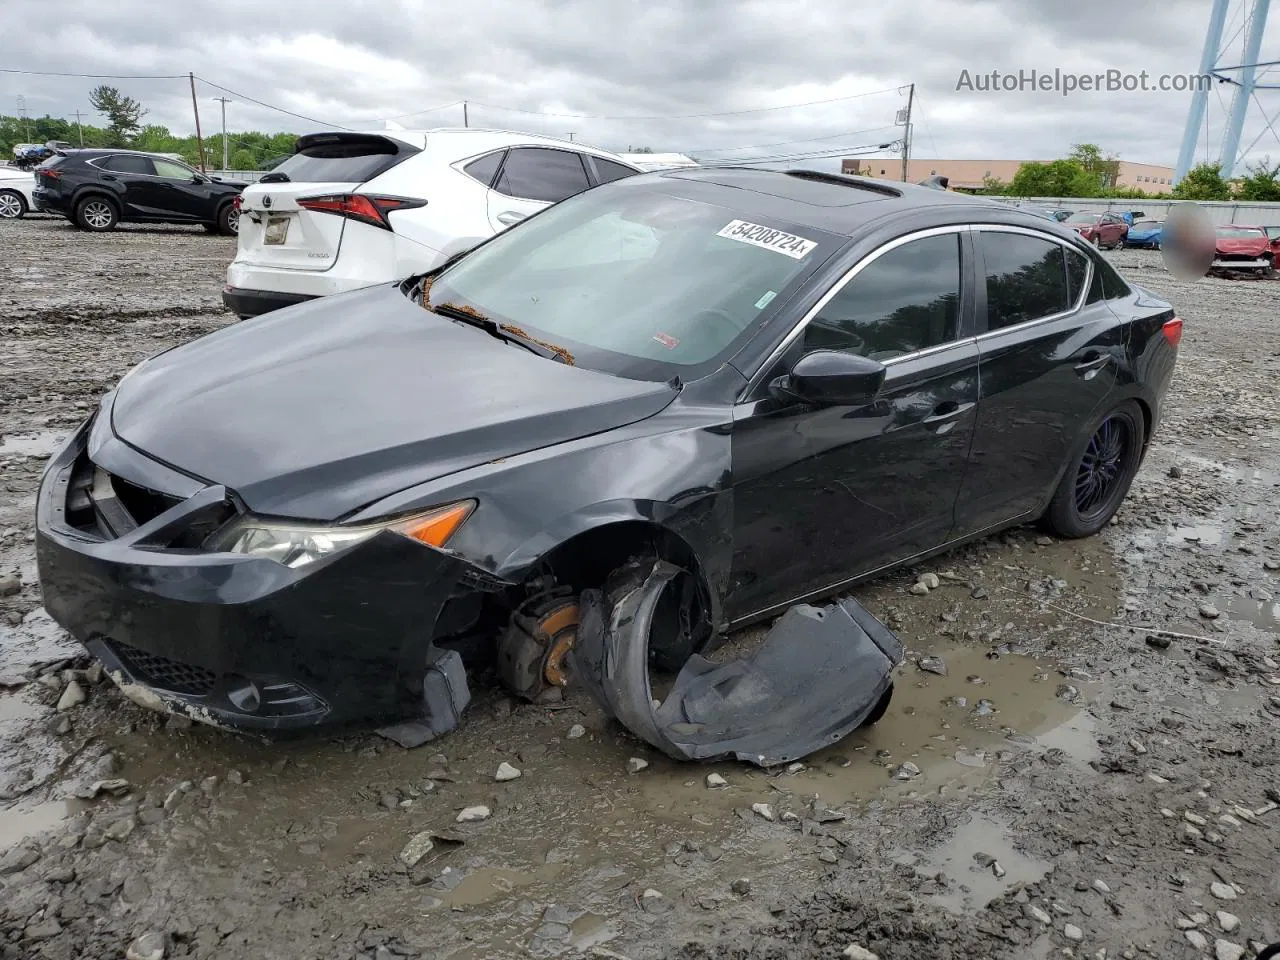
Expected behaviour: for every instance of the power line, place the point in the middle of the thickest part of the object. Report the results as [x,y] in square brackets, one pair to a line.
[95,76]
[857,150]
[271,106]
[685,116]
[783,143]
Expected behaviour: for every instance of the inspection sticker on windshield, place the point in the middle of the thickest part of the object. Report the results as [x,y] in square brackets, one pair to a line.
[776,240]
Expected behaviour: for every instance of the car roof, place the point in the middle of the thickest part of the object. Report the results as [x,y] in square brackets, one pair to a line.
[845,205]
[472,141]
[112,151]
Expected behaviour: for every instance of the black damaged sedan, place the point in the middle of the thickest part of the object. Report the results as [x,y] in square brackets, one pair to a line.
[777,382]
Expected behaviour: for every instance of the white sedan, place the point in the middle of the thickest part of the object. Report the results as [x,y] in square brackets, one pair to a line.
[15,192]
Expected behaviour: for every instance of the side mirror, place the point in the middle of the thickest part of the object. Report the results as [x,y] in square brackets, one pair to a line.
[832,377]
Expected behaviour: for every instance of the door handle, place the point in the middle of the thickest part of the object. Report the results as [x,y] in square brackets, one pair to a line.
[1088,368]
[945,415]
[508,217]
[107,176]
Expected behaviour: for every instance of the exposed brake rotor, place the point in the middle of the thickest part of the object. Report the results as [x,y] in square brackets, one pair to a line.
[533,652]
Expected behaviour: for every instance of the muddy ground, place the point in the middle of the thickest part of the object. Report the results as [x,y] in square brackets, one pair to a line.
[1085,787]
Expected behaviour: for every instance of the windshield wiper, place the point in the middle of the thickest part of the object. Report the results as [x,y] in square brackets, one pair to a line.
[501,331]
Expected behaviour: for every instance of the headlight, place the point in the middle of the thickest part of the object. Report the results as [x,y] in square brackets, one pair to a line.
[297,544]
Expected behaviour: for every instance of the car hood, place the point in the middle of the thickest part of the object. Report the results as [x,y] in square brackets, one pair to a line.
[316,410]
[1245,245]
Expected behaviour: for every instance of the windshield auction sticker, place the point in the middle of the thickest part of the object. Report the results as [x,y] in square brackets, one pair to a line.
[787,244]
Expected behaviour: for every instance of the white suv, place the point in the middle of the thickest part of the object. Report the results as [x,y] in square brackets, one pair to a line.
[349,210]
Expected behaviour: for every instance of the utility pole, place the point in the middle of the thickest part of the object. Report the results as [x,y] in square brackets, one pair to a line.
[465,123]
[904,117]
[80,129]
[22,112]
[195,108]
[224,101]
[571,136]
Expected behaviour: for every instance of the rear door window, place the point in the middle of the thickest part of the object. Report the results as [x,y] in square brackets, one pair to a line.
[126,163]
[1077,272]
[1026,278]
[538,173]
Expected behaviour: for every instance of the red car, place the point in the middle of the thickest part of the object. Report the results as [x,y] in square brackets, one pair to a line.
[1100,229]
[1243,248]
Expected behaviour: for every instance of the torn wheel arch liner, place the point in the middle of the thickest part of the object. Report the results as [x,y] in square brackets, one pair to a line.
[820,673]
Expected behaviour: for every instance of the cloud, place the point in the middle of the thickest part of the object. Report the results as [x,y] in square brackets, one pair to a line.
[650,73]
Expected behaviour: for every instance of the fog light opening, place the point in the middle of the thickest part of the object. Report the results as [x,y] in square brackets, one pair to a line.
[244,694]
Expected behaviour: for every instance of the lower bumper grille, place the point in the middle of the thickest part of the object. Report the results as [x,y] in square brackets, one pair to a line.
[163,673]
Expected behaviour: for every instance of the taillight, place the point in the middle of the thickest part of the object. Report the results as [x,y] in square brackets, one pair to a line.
[51,174]
[372,210]
[235,204]
[1172,331]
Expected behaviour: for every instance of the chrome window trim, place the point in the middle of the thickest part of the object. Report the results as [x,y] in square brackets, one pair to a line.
[840,284]
[1050,318]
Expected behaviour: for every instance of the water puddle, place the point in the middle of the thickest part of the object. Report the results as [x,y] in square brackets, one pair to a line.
[949,728]
[981,863]
[1207,534]
[456,888]
[21,823]
[15,708]
[1263,614]
[37,639]
[40,444]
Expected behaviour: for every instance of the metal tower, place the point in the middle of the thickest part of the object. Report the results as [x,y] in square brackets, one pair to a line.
[1241,76]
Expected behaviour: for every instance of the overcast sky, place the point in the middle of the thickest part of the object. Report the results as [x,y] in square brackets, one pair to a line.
[630,72]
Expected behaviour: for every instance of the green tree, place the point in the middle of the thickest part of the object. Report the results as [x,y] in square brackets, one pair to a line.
[1058,178]
[244,160]
[1262,183]
[1105,170]
[124,114]
[1203,182]
[995,187]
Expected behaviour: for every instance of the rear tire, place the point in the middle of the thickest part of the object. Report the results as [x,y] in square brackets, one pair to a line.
[13,205]
[1098,477]
[229,220]
[97,214]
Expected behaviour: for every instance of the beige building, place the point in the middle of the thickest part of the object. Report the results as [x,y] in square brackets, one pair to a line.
[970,174]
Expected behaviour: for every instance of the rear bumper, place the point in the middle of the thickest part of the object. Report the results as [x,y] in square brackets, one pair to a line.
[236,640]
[46,202]
[253,303]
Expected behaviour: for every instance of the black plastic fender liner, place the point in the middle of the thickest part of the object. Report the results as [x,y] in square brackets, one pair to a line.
[819,674]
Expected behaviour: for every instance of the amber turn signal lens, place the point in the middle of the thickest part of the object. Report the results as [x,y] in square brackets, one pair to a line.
[435,528]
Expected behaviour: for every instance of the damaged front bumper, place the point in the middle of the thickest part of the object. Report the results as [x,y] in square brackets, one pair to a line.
[237,640]
[821,672]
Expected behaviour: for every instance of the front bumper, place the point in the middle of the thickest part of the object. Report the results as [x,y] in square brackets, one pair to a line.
[231,639]
[1260,263]
[253,303]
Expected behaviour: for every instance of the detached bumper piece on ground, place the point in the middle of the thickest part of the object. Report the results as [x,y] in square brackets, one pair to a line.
[821,672]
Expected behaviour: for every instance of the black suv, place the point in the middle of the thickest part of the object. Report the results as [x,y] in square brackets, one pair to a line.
[96,189]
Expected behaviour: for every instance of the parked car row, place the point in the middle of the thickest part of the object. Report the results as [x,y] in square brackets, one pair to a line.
[349,210]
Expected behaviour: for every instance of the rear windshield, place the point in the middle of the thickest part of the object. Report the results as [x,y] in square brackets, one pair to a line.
[635,281]
[1146,224]
[344,161]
